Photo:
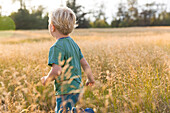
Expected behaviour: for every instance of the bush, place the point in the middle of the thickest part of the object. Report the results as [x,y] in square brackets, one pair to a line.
[6,23]
[101,24]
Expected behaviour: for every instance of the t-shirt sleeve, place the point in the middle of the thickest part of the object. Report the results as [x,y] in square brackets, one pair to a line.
[81,55]
[56,55]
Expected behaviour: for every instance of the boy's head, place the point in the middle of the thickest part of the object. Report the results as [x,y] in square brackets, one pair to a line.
[63,19]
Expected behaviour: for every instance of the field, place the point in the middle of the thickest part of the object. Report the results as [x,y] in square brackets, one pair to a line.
[131,67]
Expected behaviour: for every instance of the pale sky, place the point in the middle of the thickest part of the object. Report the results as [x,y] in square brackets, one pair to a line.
[110,5]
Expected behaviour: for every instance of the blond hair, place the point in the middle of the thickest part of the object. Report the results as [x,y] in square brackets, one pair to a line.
[64,20]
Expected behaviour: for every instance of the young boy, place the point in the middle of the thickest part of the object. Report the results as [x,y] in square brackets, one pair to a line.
[65,55]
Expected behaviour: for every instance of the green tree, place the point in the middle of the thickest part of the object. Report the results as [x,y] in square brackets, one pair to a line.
[147,14]
[39,21]
[6,23]
[101,24]
[151,14]
[24,20]
[123,17]
[132,13]
[132,10]
[164,18]
[167,19]
[121,14]
[115,23]
[100,17]
[126,16]
[77,9]
[0,10]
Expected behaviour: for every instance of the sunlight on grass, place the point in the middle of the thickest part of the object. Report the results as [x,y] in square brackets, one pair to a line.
[131,70]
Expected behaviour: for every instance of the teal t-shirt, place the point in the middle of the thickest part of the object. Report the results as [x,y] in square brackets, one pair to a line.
[60,53]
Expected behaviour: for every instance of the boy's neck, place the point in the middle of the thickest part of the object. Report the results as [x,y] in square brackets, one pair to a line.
[58,36]
[62,36]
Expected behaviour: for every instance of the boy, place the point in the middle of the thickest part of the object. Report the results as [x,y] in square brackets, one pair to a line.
[65,55]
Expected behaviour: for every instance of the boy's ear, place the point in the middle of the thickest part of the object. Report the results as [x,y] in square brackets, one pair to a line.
[53,28]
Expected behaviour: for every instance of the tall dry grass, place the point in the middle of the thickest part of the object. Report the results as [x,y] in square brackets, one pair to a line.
[131,67]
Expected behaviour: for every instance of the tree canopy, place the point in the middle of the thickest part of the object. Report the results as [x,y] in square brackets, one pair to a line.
[26,20]
[80,14]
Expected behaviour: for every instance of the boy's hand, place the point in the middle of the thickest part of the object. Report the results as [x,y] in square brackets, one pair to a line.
[43,79]
[89,83]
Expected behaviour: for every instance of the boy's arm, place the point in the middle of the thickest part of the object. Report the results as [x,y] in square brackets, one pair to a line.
[87,70]
[54,72]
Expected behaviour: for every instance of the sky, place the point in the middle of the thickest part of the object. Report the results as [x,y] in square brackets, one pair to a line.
[110,5]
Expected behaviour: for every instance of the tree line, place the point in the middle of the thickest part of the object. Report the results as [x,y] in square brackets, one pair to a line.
[128,15]
[150,14]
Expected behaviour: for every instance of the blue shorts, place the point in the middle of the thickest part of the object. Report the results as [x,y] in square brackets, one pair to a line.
[65,103]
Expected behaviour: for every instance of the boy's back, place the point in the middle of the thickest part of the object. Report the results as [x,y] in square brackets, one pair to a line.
[62,50]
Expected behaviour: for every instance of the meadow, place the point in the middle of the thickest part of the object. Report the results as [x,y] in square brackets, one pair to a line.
[131,67]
